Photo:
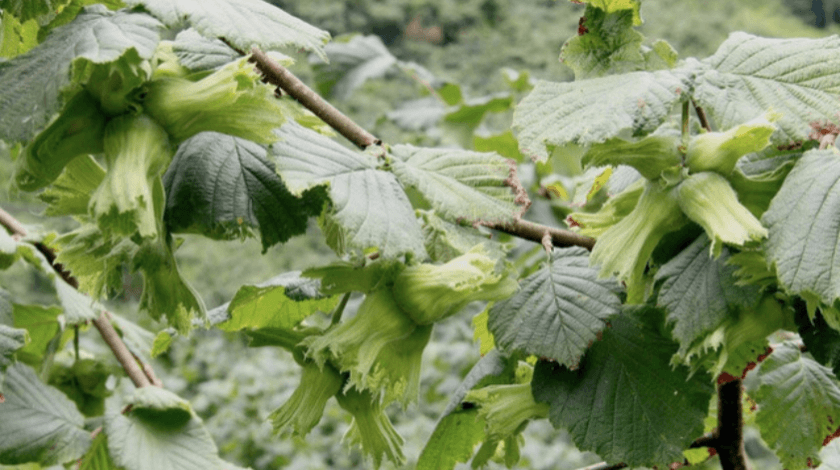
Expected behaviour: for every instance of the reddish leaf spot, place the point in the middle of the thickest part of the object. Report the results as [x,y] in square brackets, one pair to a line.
[712,451]
[2,398]
[831,436]
[725,378]
[581,28]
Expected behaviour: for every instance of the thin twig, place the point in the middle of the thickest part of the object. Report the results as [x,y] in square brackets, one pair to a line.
[279,76]
[605,466]
[535,233]
[102,324]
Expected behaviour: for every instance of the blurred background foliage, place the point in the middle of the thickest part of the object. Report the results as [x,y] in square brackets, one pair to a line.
[486,49]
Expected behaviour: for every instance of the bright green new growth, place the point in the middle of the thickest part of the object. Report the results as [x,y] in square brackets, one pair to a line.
[136,152]
[396,372]
[78,130]
[355,344]
[506,408]
[719,151]
[371,427]
[430,293]
[709,200]
[625,248]
[615,209]
[649,156]
[231,101]
[305,407]
[117,84]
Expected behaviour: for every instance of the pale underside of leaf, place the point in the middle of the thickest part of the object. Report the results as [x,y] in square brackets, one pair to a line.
[749,75]
[39,423]
[592,111]
[244,23]
[461,184]
[30,83]
[803,222]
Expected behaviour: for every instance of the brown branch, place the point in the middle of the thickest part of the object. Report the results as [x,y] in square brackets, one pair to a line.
[106,329]
[730,431]
[279,76]
[702,116]
[535,233]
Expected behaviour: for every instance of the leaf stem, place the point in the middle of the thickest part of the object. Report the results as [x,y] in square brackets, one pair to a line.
[339,310]
[106,330]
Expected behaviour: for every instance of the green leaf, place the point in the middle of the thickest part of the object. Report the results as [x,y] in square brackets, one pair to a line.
[798,403]
[417,115]
[505,144]
[222,186]
[749,74]
[28,9]
[94,260]
[822,341]
[138,339]
[42,325]
[446,240]
[97,457]
[452,441]
[78,307]
[492,368]
[16,37]
[592,111]
[624,383]
[369,207]
[558,312]
[614,6]
[649,156]
[198,53]
[11,339]
[472,112]
[70,193]
[40,424]
[276,303]
[342,276]
[245,23]
[699,292]
[606,44]
[30,83]
[351,64]
[139,441]
[803,222]
[461,184]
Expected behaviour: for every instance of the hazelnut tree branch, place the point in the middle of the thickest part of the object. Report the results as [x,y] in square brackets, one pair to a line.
[102,323]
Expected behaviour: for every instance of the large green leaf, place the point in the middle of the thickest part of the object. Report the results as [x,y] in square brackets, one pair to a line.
[613,404]
[803,222]
[161,432]
[221,186]
[370,209]
[11,339]
[245,23]
[462,184]
[40,424]
[592,111]
[199,53]
[558,311]
[280,302]
[749,75]
[452,441]
[699,292]
[798,403]
[30,83]
[351,64]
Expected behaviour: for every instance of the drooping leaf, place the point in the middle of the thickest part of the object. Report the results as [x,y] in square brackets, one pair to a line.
[798,404]
[606,44]
[462,184]
[40,424]
[199,53]
[592,111]
[140,440]
[351,64]
[803,222]
[558,311]
[748,74]
[280,302]
[245,23]
[30,83]
[623,383]
[699,291]
[369,207]
[452,441]
[223,186]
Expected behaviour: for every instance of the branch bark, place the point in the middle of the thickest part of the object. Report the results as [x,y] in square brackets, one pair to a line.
[102,324]
[535,232]
[278,75]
